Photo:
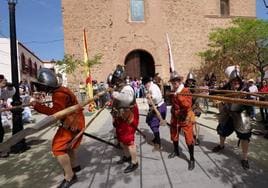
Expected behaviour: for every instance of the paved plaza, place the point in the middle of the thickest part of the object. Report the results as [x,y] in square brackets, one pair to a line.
[37,167]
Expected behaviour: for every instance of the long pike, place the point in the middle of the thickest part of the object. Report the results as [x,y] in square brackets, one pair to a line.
[46,122]
[20,106]
[262,104]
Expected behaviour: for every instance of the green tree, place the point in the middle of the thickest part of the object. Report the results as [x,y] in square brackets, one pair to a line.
[244,43]
[69,64]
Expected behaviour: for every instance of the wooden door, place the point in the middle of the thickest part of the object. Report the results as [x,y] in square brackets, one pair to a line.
[133,65]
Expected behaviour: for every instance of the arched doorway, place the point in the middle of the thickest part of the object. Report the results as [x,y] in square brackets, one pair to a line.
[139,63]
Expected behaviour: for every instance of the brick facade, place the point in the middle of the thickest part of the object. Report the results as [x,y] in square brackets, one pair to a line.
[111,33]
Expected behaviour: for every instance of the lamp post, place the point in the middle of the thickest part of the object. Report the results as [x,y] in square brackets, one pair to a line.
[16,114]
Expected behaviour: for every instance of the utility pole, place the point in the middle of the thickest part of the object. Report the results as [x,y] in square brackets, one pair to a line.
[16,114]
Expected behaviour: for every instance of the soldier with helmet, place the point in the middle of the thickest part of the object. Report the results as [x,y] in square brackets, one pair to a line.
[234,117]
[126,118]
[191,83]
[181,117]
[62,98]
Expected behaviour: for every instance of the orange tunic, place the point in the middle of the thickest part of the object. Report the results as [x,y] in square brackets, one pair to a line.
[63,98]
[181,117]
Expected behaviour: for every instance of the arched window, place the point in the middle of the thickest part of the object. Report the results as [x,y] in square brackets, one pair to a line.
[225,7]
[137,10]
[35,69]
[30,66]
[23,63]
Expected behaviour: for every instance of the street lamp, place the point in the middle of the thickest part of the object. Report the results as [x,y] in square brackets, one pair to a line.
[16,114]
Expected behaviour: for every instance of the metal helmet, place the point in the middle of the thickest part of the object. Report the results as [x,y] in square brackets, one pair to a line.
[47,77]
[174,76]
[266,74]
[109,78]
[190,76]
[232,72]
[118,75]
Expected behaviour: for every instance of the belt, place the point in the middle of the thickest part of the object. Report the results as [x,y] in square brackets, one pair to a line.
[159,104]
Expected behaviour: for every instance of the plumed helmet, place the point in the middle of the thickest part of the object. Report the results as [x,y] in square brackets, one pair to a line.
[233,72]
[190,76]
[118,75]
[174,76]
[47,77]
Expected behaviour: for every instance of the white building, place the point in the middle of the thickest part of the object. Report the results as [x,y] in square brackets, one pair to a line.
[62,78]
[28,62]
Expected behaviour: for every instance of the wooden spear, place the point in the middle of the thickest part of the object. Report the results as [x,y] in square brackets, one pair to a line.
[257,94]
[44,123]
[262,104]
[74,140]
[20,106]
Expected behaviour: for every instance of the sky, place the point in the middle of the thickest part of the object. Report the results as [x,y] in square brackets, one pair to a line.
[39,25]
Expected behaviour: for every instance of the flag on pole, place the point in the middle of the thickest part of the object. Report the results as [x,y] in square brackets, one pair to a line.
[171,62]
[89,87]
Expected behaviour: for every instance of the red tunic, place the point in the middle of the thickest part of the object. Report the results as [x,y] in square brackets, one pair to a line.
[126,132]
[63,98]
[181,117]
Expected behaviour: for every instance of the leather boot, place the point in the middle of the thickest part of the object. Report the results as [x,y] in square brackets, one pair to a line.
[67,184]
[131,168]
[123,160]
[176,150]
[192,161]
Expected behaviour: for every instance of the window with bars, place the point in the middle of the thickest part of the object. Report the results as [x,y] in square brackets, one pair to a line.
[225,7]
[137,10]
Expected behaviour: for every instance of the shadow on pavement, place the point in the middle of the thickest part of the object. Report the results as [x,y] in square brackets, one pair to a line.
[227,167]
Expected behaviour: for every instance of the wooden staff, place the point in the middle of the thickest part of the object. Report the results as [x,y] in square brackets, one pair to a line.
[20,106]
[47,121]
[162,121]
[74,140]
[262,104]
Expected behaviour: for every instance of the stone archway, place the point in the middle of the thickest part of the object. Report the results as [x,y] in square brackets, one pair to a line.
[139,63]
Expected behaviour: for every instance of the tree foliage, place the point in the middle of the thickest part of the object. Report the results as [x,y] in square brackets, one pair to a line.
[69,64]
[244,43]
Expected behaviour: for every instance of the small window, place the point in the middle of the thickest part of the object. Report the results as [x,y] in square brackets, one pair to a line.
[35,69]
[30,66]
[23,63]
[137,10]
[225,8]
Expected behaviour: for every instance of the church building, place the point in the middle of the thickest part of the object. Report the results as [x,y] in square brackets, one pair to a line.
[133,32]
